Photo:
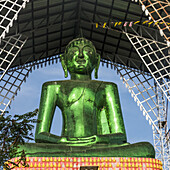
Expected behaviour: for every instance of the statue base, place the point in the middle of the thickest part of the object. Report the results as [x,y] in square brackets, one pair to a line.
[90,163]
[142,149]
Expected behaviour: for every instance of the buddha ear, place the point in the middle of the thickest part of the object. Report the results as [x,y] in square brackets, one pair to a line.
[97,65]
[63,63]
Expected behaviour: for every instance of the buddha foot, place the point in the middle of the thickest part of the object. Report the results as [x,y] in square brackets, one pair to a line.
[142,149]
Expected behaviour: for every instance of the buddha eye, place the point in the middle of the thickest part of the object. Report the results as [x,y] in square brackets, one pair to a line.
[88,51]
[75,52]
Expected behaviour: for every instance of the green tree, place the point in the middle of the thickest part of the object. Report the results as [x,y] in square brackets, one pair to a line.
[14,131]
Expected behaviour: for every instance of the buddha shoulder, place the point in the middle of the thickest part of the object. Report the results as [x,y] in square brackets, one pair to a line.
[54,83]
[104,84]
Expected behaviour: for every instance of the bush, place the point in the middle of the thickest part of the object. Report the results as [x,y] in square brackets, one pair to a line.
[14,131]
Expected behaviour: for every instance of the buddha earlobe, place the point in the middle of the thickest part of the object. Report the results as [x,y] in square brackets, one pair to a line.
[97,66]
[62,57]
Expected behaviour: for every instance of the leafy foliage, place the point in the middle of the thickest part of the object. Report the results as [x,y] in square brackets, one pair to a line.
[14,131]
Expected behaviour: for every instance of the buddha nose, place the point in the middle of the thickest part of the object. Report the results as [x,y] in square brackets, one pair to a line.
[81,54]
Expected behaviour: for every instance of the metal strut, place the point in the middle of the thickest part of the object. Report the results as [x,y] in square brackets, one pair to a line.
[162,140]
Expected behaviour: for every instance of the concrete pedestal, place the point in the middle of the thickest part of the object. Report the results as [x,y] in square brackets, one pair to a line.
[90,163]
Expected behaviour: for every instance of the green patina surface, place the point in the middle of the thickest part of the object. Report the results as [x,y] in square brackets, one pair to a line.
[92,118]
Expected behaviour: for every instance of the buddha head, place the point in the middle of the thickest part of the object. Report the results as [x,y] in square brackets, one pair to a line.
[80,57]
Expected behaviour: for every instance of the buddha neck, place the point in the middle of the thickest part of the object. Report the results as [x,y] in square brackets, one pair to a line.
[81,77]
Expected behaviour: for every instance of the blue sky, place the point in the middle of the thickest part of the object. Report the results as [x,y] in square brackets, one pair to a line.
[137,128]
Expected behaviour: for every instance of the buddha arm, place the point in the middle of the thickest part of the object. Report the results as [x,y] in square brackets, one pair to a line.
[113,110]
[46,113]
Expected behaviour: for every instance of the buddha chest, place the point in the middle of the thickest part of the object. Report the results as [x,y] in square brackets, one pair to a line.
[79,108]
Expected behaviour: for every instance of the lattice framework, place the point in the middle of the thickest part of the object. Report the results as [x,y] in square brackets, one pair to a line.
[144,90]
[155,56]
[147,104]
[157,11]
[9,12]
[9,49]
[10,84]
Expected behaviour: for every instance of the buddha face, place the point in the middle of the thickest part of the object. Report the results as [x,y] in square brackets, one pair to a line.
[81,57]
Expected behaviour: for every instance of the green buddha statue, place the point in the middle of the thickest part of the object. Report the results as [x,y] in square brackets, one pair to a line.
[92,118]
